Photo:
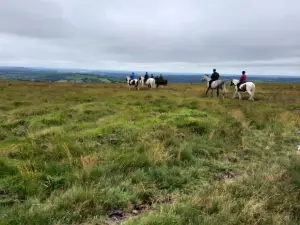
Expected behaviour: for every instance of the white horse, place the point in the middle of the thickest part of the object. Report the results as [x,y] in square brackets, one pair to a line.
[150,82]
[248,86]
[215,85]
[142,81]
[133,82]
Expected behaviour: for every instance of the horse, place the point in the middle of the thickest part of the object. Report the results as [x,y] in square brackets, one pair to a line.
[248,86]
[160,81]
[133,82]
[142,80]
[150,82]
[215,85]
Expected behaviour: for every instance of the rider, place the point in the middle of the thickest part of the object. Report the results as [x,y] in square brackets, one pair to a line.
[243,79]
[146,76]
[214,76]
[132,76]
[160,78]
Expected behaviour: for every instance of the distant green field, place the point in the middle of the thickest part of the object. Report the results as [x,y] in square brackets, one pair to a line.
[97,153]
[61,78]
[92,77]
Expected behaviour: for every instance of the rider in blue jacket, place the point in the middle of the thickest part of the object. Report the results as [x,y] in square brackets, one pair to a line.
[132,76]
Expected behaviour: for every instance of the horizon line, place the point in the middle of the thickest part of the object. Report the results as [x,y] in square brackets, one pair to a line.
[136,71]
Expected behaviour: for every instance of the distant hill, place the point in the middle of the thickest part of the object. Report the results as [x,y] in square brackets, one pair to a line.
[53,75]
[110,76]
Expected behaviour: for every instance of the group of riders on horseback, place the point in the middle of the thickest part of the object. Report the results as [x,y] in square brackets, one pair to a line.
[215,76]
[241,85]
[159,80]
[146,80]
[213,83]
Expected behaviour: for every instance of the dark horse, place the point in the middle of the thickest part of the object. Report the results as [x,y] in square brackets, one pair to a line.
[160,81]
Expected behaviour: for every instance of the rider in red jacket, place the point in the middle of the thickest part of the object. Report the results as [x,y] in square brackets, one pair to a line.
[243,79]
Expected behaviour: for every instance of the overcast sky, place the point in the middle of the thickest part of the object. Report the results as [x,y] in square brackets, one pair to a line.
[259,36]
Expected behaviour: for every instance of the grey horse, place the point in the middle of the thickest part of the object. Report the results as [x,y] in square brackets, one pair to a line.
[217,84]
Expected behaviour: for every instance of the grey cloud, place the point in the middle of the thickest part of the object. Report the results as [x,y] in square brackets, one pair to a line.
[183,35]
[34,18]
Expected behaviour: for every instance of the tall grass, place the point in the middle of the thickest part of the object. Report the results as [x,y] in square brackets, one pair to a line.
[76,154]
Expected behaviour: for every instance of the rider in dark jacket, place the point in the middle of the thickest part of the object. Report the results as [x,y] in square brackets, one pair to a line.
[214,76]
[146,76]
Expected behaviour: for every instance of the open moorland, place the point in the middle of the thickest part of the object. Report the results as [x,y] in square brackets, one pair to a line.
[101,154]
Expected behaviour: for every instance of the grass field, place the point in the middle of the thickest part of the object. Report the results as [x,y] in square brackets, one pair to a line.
[97,153]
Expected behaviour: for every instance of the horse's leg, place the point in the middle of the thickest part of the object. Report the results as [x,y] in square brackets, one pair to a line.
[240,96]
[218,92]
[234,94]
[250,93]
[207,91]
[223,92]
[252,96]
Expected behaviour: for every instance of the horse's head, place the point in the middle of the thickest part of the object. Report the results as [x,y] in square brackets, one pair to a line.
[127,78]
[205,77]
[142,80]
[234,82]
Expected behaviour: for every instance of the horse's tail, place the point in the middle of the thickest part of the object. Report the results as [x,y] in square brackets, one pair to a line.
[224,86]
[253,89]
